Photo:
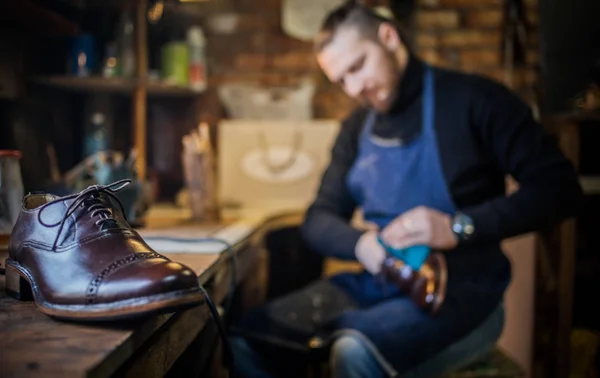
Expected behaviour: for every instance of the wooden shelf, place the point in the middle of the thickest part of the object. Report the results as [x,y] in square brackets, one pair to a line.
[157,89]
[87,84]
[114,85]
[30,17]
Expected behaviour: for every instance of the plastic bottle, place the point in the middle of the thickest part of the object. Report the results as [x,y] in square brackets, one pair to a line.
[109,68]
[197,62]
[127,60]
[96,138]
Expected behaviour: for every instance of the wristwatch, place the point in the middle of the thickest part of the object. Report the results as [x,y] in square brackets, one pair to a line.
[462,226]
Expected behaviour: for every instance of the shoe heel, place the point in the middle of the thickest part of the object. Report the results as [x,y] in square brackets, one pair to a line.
[17,286]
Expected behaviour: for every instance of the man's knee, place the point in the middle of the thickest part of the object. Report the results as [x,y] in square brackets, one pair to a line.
[348,348]
[350,357]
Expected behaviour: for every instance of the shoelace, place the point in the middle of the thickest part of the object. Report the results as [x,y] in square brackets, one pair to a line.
[96,208]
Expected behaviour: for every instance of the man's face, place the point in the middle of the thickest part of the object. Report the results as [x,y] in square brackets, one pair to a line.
[366,70]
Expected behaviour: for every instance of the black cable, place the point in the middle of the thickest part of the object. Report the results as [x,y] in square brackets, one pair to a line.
[229,361]
[211,306]
[229,297]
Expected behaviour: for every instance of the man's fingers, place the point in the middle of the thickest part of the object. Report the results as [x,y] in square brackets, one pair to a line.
[406,241]
[391,235]
[369,226]
[400,229]
[408,225]
[399,237]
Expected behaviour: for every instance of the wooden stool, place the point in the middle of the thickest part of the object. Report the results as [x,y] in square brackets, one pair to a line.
[497,365]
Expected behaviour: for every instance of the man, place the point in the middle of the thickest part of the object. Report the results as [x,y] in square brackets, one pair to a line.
[425,159]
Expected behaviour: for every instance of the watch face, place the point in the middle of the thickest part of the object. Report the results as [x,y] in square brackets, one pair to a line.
[463,226]
[468,229]
[457,227]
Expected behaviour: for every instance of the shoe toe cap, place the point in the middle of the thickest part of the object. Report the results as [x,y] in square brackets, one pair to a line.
[145,279]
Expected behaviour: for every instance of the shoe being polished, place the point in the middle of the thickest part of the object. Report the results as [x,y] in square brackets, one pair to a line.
[426,287]
[81,260]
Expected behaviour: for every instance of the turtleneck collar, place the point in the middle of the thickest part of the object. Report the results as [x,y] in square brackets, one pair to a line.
[394,123]
[410,85]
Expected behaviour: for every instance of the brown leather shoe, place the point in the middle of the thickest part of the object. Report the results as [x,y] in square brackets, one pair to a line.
[427,287]
[81,260]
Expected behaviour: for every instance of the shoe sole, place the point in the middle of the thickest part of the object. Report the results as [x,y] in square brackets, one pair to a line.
[20,285]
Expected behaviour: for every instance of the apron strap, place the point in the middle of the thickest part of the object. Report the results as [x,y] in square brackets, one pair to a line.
[428,110]
[368,123]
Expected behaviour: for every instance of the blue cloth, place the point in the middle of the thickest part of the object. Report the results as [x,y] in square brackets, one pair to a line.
[413,256]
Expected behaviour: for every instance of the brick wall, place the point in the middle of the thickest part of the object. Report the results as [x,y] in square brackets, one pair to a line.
[467,35]
[461,34]
[258,51]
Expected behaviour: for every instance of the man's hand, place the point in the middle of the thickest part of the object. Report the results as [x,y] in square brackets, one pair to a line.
[369,252]
[421,226]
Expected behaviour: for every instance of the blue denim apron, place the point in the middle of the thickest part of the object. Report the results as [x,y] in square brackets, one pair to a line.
[386,180]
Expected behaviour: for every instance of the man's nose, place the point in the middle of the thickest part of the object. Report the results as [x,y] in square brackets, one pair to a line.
[353,86]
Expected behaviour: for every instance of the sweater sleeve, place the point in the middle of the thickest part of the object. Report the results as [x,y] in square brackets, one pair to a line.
[548,186]
[326,227]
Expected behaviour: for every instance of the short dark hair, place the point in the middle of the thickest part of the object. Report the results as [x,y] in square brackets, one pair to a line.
[353,13]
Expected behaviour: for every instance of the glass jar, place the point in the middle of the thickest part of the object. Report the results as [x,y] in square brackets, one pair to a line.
[11,190]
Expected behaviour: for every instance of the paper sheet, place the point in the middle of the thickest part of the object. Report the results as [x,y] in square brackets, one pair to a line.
[189,239]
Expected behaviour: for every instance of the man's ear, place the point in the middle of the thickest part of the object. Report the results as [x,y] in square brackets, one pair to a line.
[388,36]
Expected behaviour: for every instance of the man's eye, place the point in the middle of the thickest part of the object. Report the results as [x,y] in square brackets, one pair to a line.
[358,65]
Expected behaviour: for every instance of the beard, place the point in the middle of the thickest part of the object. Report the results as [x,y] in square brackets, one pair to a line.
[386,91]
[395,75]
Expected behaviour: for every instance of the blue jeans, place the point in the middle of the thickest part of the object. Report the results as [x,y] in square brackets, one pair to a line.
[352,356]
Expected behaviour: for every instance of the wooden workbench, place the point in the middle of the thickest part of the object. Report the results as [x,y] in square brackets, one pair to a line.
[35,345]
